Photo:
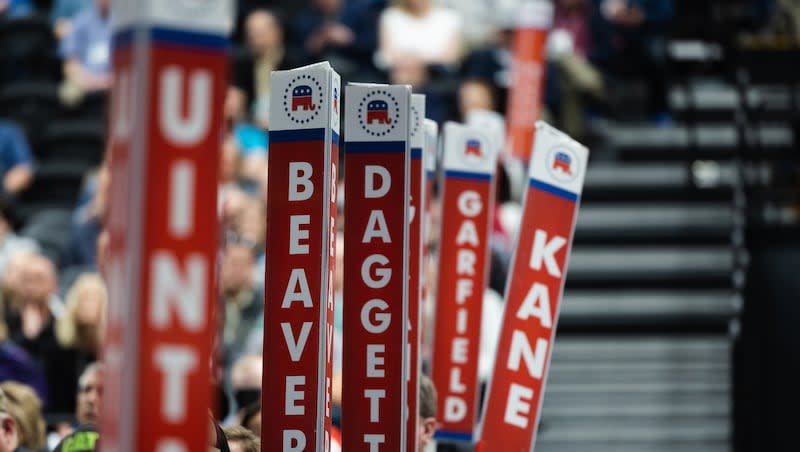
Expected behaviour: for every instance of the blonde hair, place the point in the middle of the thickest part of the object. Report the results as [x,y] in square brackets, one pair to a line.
[66,327]
[25,407]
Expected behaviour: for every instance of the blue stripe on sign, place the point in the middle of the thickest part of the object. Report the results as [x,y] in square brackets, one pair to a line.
[335,138]
[290,136]
[442,435]
[123,38]
[373,147]
[430,174]
[553,190]
[189,39]
[450,174]
[416,153]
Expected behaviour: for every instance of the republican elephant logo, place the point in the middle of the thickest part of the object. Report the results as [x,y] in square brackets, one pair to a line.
[378,110]
[473,148]
[563,163]
[302,98]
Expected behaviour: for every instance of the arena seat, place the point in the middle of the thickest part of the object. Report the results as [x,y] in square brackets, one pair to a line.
[31,104]
[653,393]
[72,141]
[55,186]
[27,50]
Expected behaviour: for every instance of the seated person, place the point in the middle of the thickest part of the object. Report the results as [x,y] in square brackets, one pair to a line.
[63,13]
[11,9]
[16,162]
[417,29]
[86,52]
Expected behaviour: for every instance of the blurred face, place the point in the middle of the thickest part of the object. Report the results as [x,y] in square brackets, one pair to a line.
[263,32]
[9,437]
[329,6]
[251,223]
[103,5]
[254,425]
[237,269]
[228,160]
[418,5]
[474,96]
[89,394]
[38,280]
[88,317]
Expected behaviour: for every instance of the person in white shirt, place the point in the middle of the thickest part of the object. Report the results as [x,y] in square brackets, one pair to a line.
[418,30]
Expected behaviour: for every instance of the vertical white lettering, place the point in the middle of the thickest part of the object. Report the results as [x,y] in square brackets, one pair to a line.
[296,347]
[296,234]
[175,363]
[297,289]
[544,251]
[293,395]
[300,177]
[465,262]
[374,396]
[168,289]
[374,361]
[185,131]
[294,441]
[376,228]
[536,304]
[374,441]
[521,350]
[370,173]
[181,199]
[382,320]
[383,274]
[516,406]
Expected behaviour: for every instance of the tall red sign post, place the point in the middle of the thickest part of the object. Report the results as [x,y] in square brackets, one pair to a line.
[376,259]
[468,184]
[300,250]
[533,295]
[416,210]
[430,155]
[527,75]
[170,61]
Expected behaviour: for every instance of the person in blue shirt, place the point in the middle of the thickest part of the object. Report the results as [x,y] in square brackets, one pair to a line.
[86,49]
[16,162]
[12,9]
[63,13]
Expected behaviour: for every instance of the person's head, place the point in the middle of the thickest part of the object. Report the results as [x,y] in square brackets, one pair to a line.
[9,431]
[236,271]
[229,160]
[90,393]
[241,439]
[416,7]
[427,411]
[81,324]
[251,418]
[39,279]
[103,5]
[329,7]
[251,222]
[25,407]
[475,94]
[12,279]
[263,31]
[246,375]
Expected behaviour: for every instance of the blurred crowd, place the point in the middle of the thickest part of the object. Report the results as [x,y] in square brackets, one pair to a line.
[457,52]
